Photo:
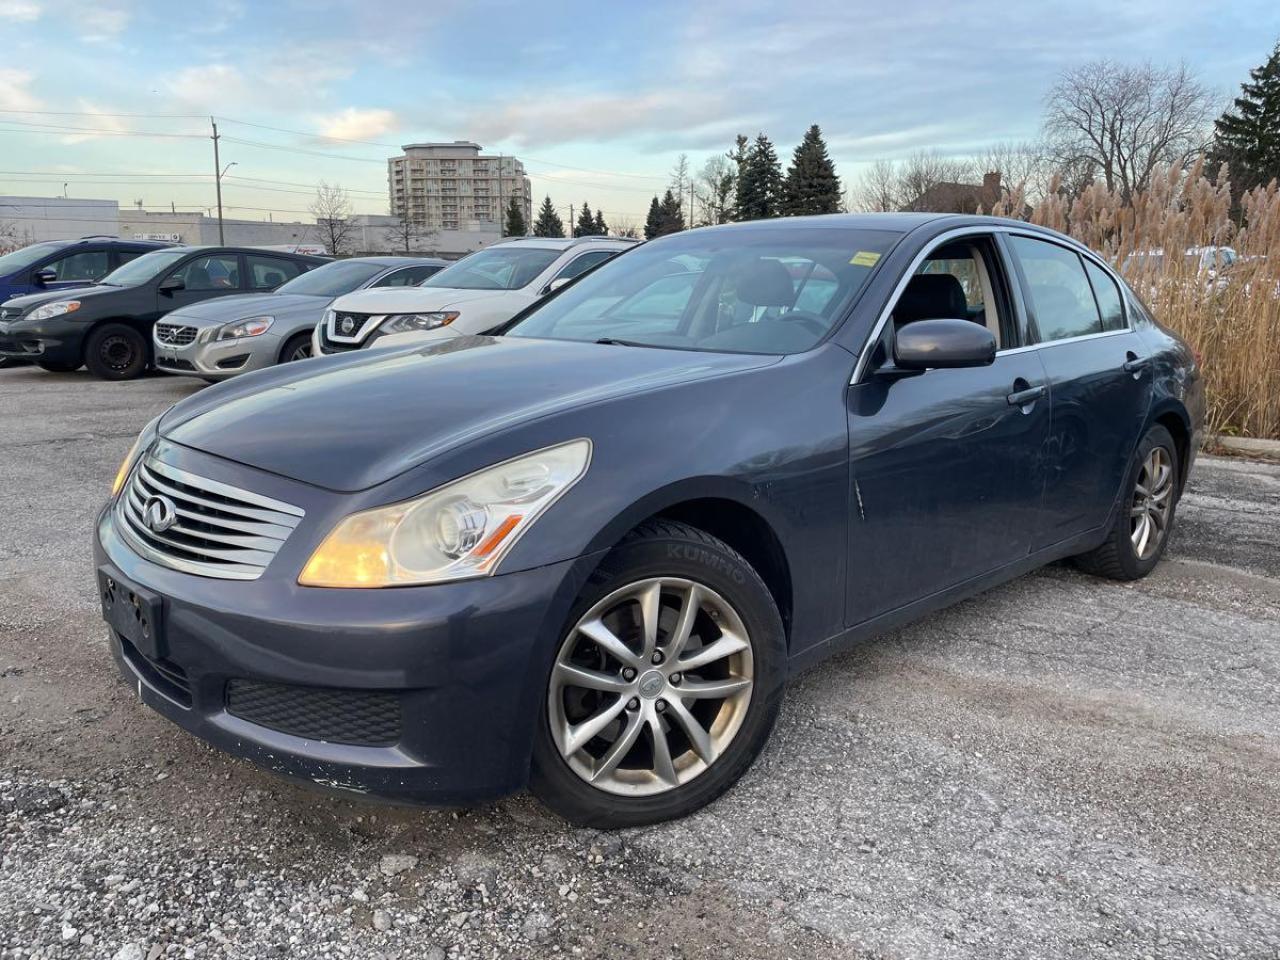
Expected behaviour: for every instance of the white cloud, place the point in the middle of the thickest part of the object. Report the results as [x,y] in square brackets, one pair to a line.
[98,21]
[23,11]
[96,118]
[14,94]
[354,123]
[212,83]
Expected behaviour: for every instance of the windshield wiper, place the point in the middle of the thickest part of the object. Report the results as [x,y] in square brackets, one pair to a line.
[622,343]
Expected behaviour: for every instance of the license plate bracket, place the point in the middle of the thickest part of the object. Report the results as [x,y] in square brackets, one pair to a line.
[134,612]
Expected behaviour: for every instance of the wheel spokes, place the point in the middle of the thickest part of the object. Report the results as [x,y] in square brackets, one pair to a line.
[607,640]
[650,611]
[577,737]
[690,604]
[621,747]
[699,739]
[712,689]
[663,766]
[726,646]
[573,675]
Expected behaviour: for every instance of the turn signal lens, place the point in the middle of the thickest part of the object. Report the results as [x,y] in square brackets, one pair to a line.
[144,440]
[460,530]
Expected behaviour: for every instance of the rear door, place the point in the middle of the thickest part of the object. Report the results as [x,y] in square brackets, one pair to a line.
[1099,374]
[945,466]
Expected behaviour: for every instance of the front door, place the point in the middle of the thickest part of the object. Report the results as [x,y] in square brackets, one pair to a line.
[1100,378]
[946,467]
[204,277]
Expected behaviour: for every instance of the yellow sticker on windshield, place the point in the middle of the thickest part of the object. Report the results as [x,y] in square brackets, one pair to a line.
[865,258]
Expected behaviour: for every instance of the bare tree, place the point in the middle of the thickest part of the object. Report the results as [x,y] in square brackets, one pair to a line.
[14,237]
[624,226]
[714,189]
[405,231]
[680,182]
[877,189]
[332,210]
[1125,121]
[1027,165]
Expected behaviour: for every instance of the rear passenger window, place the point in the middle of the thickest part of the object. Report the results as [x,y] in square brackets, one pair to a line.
[576,268]
[1060,293]
[267,273]
[1108,296]
[408,277]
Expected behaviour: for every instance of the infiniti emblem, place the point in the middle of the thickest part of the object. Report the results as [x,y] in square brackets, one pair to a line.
[651,684]
[159,513]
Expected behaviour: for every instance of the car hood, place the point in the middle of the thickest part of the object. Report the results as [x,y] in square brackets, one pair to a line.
[31,300]
[410,299]
[227,309]
[354,421]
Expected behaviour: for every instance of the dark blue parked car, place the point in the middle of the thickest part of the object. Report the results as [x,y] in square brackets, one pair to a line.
[66,264]
[587,554]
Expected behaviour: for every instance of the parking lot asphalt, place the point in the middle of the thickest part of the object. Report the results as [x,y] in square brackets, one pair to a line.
[1061,767]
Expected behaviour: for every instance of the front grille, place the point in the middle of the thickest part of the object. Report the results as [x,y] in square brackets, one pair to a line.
[165,675]
[357,717]
[201,526]
[175,334]
[349,324]
[175,363]
[10,313]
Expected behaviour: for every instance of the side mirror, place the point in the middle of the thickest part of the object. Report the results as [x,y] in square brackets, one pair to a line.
[556,284]
[938,344]
[44,277]
[170,284]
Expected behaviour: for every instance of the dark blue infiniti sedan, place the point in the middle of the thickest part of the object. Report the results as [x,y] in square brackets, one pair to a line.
[585,555]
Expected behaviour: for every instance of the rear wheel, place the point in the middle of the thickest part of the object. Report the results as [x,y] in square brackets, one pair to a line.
[297,347]
[116,352]
[1141,528]
[665,685]
[54,366]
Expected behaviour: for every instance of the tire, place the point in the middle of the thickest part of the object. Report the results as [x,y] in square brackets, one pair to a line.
[656,567]
[1118,558]
[116,352]
[289,352]
[54,366]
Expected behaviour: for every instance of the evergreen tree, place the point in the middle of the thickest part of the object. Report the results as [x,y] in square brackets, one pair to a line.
[671,214]
[1248,136]
[548,223]
[586,225]
[602,228]
[515,225]
[811,185]
[653,222]
[760,182]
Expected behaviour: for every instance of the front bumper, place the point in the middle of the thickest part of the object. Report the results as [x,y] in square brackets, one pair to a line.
[461,665]
[54,341]
[217,359]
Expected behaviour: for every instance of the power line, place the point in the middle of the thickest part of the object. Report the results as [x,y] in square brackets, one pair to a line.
[54,129]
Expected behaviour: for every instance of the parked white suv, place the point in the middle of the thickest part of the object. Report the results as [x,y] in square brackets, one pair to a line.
[474,295]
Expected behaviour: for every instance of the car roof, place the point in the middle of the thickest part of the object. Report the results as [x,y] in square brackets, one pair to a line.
[560,243]
[213,248]
[396,261]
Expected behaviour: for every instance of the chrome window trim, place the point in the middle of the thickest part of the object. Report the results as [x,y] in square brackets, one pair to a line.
[864,356]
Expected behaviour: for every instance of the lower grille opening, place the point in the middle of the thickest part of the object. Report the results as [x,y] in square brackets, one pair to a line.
[175,363]
[165,675]
[353,717]
[232,363]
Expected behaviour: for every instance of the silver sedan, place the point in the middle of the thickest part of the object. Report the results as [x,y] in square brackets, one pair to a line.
[222,338]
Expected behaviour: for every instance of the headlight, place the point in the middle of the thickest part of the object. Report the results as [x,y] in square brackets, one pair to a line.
[249,327]
[408,322]
[55,309]
[144,440]
[460,530]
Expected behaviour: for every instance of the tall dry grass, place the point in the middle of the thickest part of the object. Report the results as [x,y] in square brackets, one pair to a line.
[1231,317]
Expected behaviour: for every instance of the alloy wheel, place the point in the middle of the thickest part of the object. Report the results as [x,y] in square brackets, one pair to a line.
[1152,502]
[300,352]
[650,686]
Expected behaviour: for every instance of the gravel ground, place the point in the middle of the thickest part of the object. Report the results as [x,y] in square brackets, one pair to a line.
[1062,767]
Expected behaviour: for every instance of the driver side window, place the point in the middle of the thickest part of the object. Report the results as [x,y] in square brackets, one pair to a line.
[960,280]
[210,273]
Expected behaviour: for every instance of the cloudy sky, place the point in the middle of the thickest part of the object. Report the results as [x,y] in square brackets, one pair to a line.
[598,98]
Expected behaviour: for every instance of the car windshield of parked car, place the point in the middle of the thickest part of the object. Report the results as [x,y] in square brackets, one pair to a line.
[498,268]
[144,268]
[768,290]
[26,256]
[333,279]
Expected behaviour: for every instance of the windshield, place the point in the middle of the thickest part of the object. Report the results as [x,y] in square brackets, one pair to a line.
[144,268]
[498,268]
[333,279]
[765,290]
[11,262]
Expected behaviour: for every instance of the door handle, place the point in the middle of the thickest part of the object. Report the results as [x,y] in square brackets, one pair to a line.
[1135,363]
[1020,398]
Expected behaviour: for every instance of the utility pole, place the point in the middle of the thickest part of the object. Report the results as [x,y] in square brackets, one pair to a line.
[502,210]
[217,179]
[571,221]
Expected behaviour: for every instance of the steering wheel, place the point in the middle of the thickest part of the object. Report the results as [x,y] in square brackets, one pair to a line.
[810,321]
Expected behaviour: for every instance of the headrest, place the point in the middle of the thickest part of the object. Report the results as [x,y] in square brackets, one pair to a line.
[765,283]
[931,296]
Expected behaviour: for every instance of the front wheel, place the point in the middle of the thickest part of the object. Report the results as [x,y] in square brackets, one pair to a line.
[1140,532]
[665,685]
[116,352]
[297,347]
